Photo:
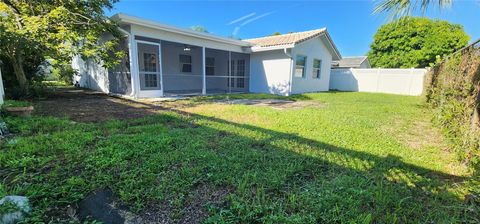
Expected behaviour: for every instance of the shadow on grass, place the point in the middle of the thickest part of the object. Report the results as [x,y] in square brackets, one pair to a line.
[275,176]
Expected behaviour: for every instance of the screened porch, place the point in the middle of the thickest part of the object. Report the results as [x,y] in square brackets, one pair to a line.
[188,69]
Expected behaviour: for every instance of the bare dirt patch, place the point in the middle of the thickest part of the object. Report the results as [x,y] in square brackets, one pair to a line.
[418,135]
[89,106]
[195,211]
[274,103]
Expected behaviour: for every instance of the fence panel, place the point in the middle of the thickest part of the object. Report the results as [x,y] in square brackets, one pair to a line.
[2,91]
[394,81]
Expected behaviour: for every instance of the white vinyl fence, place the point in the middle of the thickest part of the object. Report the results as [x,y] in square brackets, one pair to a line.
[376,80]
[2,91]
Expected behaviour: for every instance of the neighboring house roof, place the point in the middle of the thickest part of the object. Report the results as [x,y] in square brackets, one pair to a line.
[123,18]
[291,39]
[350,62]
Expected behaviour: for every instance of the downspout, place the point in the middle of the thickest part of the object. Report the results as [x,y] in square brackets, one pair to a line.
[130,59]
[291,70]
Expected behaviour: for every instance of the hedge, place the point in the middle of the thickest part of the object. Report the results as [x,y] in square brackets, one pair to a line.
[454,94]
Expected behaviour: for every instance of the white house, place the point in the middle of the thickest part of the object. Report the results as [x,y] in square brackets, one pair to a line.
[165,60]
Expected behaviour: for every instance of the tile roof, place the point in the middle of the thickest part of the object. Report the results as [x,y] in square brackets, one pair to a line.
[285,39]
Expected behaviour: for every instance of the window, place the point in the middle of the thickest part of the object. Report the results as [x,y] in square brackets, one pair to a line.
[185,63]
[210,66]
[149,62]
[240,72]
[300,66]
[232,73]
[317,68]
[151,80]
[150,70]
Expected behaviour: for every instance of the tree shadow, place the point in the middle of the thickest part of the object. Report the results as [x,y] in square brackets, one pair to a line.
[266,167]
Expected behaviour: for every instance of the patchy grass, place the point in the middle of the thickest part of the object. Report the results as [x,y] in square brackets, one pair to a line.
[16,103]
[347,161]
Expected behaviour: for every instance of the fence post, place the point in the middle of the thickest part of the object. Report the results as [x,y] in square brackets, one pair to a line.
[378,80]
[2,91]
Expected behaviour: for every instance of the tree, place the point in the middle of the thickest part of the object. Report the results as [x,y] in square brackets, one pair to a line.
[276,34]
[415,42]
[199,29]
[401,8]
[54,29]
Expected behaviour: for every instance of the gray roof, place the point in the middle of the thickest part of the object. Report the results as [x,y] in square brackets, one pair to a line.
[350,62]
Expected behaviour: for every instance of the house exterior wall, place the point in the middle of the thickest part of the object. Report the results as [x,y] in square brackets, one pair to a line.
[119,78]
[365,64]
[312,49]
[270,72]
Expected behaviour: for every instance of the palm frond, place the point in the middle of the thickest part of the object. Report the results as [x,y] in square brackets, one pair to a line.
[400,8]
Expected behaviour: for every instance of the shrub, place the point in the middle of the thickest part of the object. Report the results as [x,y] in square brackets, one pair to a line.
[454,93]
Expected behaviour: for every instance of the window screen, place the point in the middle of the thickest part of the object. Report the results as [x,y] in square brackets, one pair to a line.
[185,63]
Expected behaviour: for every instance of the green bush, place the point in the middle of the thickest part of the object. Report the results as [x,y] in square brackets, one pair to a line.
[454,93]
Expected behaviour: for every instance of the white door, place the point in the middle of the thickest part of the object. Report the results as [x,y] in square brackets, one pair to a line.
[149,66]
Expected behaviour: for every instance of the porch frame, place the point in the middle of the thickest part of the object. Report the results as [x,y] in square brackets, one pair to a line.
[137,67]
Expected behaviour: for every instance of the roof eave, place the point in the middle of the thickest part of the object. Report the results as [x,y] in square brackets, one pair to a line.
[335,49]
[155,25]
[271,48]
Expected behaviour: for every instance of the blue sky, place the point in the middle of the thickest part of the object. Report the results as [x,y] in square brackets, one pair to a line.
[350,22]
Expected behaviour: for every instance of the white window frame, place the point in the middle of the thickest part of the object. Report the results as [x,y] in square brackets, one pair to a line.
[317,72]
[304,66]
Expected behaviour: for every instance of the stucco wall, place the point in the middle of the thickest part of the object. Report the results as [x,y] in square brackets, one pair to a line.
[312,49]
[270,72]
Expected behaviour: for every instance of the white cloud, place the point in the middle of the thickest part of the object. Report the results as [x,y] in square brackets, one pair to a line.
[241,18]
[247,21]
[235,31]
[256,18]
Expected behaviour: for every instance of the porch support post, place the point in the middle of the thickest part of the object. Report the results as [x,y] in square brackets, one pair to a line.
[229,72]
[135,72]
[204,73]
[161,68]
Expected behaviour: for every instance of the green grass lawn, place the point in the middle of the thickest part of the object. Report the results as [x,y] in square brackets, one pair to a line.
[356,158]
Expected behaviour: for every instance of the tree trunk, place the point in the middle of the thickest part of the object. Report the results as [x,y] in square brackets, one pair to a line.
[17,64]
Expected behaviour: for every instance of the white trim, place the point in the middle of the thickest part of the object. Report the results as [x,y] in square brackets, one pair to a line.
[292,70]
[229,84]
[155,25]
[130,58]
[135,70]
[2,91]
[204,73]
[271,48]
[160,68]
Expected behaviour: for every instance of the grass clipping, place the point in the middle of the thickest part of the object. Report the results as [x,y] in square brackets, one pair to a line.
[454,93]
